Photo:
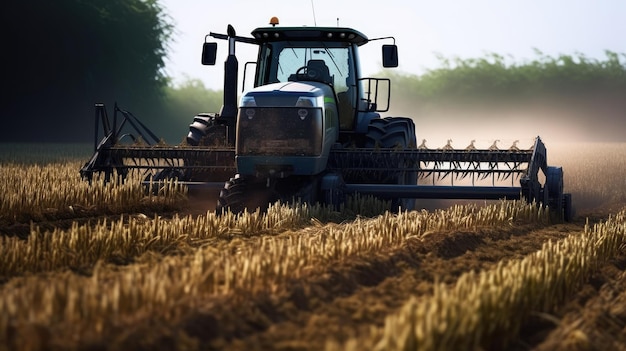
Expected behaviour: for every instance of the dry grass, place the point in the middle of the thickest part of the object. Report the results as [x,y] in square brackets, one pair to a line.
[593,172]
[486,309]
[85,283]
[53,191]
[168,286]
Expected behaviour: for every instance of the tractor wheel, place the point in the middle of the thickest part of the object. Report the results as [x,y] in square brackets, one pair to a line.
[394,132]
[240,194]
[375,131]
[406,124]
[554,184]
[204,131]
[232,196]
[568,209]
[381,128]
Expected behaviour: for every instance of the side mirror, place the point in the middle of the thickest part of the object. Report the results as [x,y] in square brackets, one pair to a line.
[390,55]
[209,53]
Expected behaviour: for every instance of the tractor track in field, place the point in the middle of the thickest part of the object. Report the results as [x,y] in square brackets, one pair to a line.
[410,271]
[53,219]
[22,228]
[592,319]
[345,299]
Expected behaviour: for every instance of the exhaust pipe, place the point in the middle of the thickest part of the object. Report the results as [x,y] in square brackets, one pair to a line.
[231,67]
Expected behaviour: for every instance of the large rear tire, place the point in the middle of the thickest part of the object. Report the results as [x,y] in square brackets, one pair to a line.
[399,133]
[205,131]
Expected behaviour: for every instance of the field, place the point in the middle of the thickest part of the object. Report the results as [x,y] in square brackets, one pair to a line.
[107,267]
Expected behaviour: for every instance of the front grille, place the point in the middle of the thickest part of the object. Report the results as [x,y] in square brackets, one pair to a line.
[279,131]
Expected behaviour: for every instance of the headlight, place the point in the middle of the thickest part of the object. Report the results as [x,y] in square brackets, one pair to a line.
[247,101]
[309,101]
[305,101]
[302,113]
[250,112]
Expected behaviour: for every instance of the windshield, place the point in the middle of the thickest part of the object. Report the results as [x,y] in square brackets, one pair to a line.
[281,61]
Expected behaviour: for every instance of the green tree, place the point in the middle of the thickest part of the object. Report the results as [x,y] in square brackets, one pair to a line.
[181,104]
[62,56]
[492,77]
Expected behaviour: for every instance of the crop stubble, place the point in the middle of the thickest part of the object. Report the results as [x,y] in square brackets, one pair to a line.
[343,295]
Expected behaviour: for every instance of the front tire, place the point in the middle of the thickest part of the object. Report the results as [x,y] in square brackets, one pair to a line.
[242,194]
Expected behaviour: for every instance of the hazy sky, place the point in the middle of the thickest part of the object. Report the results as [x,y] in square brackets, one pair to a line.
[422,28]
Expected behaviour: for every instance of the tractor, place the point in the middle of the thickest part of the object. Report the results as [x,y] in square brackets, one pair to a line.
[310,128]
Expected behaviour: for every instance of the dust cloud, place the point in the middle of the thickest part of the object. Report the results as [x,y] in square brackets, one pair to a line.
[580,133]
[201,201]
[556,120]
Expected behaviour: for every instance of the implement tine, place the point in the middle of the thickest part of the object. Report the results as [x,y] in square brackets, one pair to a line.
[464,175]
[507,176]
[424,175]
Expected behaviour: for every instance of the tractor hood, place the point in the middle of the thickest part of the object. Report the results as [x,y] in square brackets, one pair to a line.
[289,87]
[288,94]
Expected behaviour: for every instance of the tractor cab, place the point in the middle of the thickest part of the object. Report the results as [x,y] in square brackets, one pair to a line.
[327,55]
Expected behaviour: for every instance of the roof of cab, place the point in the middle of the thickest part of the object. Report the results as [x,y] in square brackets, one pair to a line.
[334,34]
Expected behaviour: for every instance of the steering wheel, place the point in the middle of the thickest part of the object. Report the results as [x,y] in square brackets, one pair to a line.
[306,72]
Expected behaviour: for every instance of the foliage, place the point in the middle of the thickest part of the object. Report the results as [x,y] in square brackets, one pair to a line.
[93,51]
[494,76]
[181,103]
[66,55]
[192,95]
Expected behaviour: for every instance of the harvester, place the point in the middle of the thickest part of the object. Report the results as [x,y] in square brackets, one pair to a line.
[310,129]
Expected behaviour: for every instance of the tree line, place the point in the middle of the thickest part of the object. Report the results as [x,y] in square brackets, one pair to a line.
[497,76]
[63,56]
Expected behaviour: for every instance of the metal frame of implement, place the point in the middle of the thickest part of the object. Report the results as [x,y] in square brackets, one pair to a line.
[146,154]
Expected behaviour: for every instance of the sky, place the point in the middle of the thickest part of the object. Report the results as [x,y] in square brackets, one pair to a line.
[422,29]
